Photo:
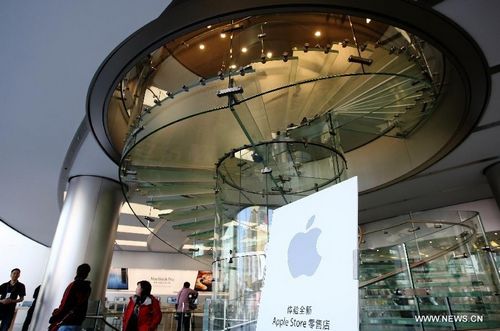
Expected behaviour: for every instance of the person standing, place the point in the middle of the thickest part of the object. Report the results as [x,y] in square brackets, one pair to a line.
[72,311]
[29,315]
[143,310]
[11,293]
[183,306]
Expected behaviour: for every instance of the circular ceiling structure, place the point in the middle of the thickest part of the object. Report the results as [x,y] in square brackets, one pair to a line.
[280,98]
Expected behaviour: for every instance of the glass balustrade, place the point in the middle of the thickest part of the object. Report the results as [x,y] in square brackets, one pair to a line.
[428,271]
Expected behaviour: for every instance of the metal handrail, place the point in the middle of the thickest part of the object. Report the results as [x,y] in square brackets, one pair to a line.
[103,319]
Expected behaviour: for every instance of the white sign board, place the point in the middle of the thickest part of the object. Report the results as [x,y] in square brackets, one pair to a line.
[162,281]
[311,267]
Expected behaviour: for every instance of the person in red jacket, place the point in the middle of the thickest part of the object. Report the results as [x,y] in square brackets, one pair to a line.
[143,311]
[72,311]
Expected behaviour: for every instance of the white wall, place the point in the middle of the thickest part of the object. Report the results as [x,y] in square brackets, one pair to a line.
[21,252]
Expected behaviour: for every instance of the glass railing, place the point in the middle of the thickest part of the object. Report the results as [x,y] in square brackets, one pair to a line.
[438,272]
[109,317]
[236,314]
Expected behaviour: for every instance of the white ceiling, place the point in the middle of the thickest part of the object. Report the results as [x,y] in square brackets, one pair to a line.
[51,50]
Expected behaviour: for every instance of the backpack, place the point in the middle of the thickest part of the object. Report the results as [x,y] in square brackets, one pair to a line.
[192,301]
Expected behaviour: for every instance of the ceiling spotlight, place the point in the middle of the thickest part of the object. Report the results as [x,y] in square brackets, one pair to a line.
[306,47]
[242,71]
[368,20]
[203,81]
[344,43]
[185,88]
[263,58]
[202,47]
[170,95]
[269,55]
[232,66]
[285,56]
[244,49]
[317,34]
[223,35]
[209,26]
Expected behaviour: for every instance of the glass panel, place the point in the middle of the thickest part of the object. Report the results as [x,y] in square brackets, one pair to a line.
[439,278]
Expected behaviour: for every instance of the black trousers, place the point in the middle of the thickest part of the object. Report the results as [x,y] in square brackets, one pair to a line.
[29,316]
[183,321]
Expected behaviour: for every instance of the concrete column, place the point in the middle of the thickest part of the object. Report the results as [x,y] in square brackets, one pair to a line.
[492,172]
[85,234]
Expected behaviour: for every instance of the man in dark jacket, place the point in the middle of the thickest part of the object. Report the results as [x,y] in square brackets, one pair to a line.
[73,308]
[11,293]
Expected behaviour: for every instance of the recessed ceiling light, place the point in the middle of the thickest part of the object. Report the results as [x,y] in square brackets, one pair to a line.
[317,33]
[244,49]
[138,209]
[133,229]
[131,243]
[209,26]
[223,35]
[269,55]
[232,66]
[202,46]
[368,20]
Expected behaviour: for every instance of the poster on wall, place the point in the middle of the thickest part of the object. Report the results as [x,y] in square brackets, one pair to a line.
[118,279]
[204,281]
[162,281]
[311,270]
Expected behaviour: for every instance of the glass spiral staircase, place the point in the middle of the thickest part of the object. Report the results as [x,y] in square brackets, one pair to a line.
[227,122]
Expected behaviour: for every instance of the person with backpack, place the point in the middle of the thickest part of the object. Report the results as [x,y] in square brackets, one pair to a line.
[72,311]
[185,305]
[143,310]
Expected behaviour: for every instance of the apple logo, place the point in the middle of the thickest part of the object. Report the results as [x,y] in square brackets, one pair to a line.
[303,258]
